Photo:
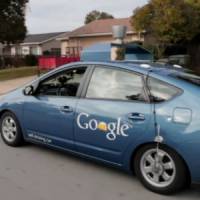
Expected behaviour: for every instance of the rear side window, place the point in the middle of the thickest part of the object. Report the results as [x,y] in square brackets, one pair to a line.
[161,91]
[107,83]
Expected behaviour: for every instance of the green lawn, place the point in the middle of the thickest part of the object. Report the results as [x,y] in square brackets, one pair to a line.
[12,73]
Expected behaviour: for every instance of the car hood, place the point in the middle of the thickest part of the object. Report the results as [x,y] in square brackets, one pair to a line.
[14,95]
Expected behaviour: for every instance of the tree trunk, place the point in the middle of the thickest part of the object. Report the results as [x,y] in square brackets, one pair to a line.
[160,50]
[194,53]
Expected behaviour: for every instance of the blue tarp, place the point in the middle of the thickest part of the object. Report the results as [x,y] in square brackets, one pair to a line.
[102,52]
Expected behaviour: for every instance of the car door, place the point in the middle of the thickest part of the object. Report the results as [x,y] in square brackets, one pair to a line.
[113,114]
[49,113]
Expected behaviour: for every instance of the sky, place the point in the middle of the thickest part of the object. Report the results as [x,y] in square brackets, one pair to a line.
[45,16]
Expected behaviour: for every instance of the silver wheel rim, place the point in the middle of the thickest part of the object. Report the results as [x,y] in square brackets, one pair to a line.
[158,169]
[9,129]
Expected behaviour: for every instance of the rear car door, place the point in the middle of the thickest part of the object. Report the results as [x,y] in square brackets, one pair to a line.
[113,114]
[49,113]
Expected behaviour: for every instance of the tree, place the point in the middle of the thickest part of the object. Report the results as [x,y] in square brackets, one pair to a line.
[195,3]
[96,15]
[12,20]
[169,21]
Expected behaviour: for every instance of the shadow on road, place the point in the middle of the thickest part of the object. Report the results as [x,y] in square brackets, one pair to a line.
[191,193]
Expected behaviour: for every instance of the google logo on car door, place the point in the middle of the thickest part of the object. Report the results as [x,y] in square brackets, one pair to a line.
[112,129]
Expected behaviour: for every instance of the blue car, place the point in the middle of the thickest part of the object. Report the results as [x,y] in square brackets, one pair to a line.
[138,117]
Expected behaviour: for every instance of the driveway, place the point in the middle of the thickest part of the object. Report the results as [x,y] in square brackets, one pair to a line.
[37,173]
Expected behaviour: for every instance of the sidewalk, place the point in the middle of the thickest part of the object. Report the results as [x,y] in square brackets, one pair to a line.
[6,86]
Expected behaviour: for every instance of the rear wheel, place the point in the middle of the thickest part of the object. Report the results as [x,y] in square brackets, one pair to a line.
[161,171]
[10,130]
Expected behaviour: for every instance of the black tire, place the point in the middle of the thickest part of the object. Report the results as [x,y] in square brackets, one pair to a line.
[18,136]
[180,178]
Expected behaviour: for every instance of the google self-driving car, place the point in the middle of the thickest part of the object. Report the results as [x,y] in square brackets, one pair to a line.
[137,117]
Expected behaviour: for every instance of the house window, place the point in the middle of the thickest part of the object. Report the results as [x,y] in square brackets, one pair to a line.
[56,51]
[73,51]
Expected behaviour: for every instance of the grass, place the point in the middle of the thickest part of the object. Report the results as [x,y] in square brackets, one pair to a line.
[12,73]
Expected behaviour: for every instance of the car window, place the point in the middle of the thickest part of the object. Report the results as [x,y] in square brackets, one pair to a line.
[107,83]
[161,91]
[65,83]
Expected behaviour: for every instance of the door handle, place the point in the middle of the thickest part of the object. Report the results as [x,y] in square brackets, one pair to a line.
[66,109]
[136,116]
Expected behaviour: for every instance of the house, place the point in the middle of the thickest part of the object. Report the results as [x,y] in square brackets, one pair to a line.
[38,44]
[97,31]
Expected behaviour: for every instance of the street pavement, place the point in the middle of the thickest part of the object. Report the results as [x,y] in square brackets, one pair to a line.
[34,172]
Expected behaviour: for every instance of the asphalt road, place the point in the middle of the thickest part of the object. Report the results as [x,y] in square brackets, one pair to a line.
[37,173]
[33,173]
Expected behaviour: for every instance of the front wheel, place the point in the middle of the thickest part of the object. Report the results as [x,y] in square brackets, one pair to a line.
[10,130]
[162,171]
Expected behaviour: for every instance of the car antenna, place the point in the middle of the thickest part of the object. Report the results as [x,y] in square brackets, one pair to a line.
[158,138]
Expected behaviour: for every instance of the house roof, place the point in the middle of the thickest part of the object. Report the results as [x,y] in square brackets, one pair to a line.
[99,27]
[41,38]
[63,36]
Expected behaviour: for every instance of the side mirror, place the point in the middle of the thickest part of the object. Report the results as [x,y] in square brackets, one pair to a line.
[28,91]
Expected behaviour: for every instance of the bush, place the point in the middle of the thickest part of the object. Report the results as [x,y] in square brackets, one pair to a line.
[46,53]
[1,62]
[31,60]
[120,53]
[15,61]
[18,61]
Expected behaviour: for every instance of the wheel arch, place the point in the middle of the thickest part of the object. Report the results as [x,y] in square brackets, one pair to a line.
[19,138]
[4,111]
[165,145]
[15,114]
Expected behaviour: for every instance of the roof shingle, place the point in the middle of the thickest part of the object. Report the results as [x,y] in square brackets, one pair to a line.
[102,26]
[40,38]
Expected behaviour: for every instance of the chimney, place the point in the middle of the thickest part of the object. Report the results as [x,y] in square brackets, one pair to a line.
[119,34]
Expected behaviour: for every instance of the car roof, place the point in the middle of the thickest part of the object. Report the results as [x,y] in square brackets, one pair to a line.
[136,66]
[140,67]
